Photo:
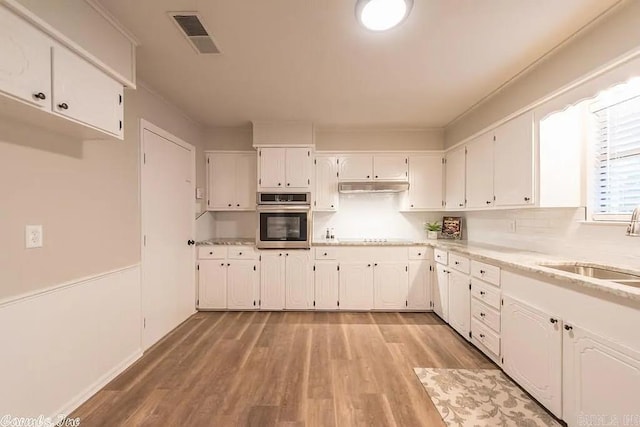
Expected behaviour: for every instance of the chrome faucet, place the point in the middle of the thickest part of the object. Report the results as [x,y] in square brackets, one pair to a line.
[634,226]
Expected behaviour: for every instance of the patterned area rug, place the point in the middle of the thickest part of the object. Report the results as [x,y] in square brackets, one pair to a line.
[481,397]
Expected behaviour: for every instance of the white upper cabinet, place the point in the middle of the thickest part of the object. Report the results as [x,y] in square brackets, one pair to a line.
[513,162]
[455,179]
[479,172]
[326,181]
[368,167]
[298,167]
[25,62]
[285,168]
[231,181]
[390,167]
[425,182]
[272,167]
[356,167]
[38,70]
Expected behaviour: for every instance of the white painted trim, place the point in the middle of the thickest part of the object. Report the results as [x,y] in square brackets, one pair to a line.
[347,129]
[257,146]
[87,393]
[374,152]
[611,65]
[108,16]
[69,284]
[39,23]
[229,152]
[143,84]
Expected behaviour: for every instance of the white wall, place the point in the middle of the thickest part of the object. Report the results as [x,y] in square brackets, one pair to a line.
[560,232]
[347,139]
[372,216]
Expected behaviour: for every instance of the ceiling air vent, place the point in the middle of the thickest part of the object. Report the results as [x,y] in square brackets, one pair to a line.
[191,26]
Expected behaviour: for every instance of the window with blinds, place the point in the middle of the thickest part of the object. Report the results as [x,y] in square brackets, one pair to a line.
[615,189]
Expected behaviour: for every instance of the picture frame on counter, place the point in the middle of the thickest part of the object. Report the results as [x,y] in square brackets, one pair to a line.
[452,227]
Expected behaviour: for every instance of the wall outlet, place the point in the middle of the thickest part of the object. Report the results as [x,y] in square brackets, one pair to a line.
[199,193]
[511,226]
[33,236]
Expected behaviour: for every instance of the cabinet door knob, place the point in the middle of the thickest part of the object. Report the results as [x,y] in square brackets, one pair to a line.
[288,184]
[482,271]
[526,199]
[411,205]
[238,205]
[229,204]
[325,254]
[419,253]
[554,321]
[375,265]
[481,335]
[191,242]
[63,106]
[228,265]
[332,206]
[40,96]
[210,253]
[222,264]
[376,176]
[368,265]
[461,204]
[239,253]
[568,327]
[279,184]
[368,176]
[488,202]
[482,292]
[482,314]
[456,262]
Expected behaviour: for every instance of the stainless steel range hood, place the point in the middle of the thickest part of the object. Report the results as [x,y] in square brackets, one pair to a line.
[373,187]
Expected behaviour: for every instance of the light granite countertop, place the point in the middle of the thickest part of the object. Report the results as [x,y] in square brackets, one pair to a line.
[227,242]
[521,260]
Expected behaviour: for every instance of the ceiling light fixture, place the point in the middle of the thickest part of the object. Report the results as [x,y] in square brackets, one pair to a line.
[381,15]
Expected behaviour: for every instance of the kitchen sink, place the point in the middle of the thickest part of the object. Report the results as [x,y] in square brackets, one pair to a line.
[601,273]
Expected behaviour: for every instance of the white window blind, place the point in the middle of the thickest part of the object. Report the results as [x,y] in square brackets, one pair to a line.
[616,182]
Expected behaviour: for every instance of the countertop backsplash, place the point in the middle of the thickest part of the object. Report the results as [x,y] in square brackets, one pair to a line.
[372,216]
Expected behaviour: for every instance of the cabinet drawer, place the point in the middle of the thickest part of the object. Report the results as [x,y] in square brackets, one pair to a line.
[459,263]
[485,336]
[419,253]
[242,252]
[485,314]
[486,293]
[486,272]
[326,253]
[212,252]
[440,256]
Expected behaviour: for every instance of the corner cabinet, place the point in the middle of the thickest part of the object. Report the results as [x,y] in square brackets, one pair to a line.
[231,181]
[37,71]
[284,168]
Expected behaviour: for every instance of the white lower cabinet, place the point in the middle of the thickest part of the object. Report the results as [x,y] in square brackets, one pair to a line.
[243,285]
[460,303]
[419,294]
[600,376]
[286,280]
[356,286]
[532,351]
[390,284]
[212,284]
[327,285]
[441,292]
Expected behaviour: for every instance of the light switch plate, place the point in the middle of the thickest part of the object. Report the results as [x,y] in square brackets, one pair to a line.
[33,236]
[199,193]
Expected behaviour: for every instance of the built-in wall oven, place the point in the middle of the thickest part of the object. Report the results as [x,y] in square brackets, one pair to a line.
[284,221]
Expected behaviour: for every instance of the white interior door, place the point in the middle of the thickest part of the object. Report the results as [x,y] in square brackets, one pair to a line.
[168,274]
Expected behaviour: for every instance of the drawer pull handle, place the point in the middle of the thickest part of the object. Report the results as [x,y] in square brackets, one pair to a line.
[481,335]
[482,292]
[554,321]
[325,254]
[482,314]
[482,272]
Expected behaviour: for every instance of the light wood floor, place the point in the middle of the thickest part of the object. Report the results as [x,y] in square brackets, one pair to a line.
[285,369]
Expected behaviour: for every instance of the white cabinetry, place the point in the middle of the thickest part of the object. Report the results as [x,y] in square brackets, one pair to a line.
[367,167]
[419,295]
[228,278]
[40,72]
[459,303]
[231,181]
[532,351]
[84,93]
[25,63]
[455,179]
[326,194]
[425,182]
[600,376]
[513,162]
[286,280]
[327,284]
[284,168]
[479,172]
[390,281]
[356,286]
